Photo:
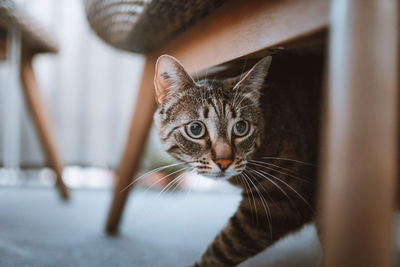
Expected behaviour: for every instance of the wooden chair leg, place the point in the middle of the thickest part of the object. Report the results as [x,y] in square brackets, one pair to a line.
[139,129]
[359,153]
[41,121]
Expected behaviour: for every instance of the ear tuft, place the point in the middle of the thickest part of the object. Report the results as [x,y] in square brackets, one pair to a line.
[170,76]
[254,78]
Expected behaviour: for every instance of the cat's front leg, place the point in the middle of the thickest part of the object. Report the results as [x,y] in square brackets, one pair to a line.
[247,234]
[235,243]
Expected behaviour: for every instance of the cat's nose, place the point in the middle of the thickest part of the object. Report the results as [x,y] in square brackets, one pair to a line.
[223,164]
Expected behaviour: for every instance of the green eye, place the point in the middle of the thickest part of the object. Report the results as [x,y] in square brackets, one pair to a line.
[241,128]
[195,129]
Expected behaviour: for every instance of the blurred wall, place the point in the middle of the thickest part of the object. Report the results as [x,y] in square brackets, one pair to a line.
[89,89]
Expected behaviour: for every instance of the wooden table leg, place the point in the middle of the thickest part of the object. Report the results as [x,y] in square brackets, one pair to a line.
[359,150]
[139,129]
[41,121]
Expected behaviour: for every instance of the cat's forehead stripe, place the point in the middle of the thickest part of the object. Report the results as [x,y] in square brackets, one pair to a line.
[213,105]
[205,112]
[174,109]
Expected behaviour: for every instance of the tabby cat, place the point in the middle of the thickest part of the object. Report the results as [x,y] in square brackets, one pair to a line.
[257,132]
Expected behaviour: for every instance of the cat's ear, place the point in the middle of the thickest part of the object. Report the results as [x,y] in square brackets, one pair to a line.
[170,76]
[254,78]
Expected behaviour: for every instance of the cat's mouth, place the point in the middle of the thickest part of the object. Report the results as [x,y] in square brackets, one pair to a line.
[213,171]
[220,175]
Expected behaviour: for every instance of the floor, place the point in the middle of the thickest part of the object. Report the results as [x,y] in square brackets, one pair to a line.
[37,229]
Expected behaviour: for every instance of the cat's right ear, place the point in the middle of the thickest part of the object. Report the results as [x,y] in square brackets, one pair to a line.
[254,78]
[170,76]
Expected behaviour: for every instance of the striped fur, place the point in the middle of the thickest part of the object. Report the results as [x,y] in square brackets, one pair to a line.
[278,193]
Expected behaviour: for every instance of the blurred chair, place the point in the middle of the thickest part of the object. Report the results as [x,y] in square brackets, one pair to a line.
[21,39]
[359,138]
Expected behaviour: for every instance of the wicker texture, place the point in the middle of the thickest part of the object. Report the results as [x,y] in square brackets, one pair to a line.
[142,25]
[35,38]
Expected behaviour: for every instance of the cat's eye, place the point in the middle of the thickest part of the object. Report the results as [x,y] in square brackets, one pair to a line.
[241,128]
[195,129]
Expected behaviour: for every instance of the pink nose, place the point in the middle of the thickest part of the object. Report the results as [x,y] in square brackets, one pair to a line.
[223,163]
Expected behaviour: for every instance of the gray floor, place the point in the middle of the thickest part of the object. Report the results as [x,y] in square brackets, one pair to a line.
[37,229]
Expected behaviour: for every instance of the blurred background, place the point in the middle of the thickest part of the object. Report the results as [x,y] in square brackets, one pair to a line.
[89,89]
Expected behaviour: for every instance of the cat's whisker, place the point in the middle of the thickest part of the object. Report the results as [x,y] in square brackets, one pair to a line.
[238,88]
[234,97]
[262,175]
[291,188]
[243,68]
[159,194]
[177,185]
[237,95]
[170,184]
[286,174]
[275,184]
[165,177]
[250,193]
[151,172]
[273,165]
[243,98]
[260,185]
[292,160]
[264,204]
[212,82]
[251,105]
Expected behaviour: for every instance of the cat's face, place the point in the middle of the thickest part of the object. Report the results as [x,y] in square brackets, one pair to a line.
[215,126]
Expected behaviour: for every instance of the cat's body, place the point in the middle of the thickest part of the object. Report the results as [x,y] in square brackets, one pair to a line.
[259,134]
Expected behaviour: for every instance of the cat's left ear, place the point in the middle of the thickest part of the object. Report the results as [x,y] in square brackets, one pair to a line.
[254,78]
[170,76]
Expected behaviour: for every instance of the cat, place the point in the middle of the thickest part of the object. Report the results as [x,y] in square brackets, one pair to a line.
[259,131]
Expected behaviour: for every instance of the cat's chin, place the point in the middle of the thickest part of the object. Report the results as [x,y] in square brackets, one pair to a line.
[218,176]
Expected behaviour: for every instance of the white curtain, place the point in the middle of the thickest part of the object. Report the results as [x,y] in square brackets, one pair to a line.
[89,90]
